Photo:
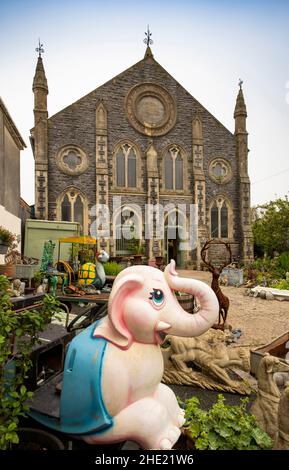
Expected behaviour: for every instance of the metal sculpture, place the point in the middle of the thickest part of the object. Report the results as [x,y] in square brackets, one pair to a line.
[147,40]
[223,300]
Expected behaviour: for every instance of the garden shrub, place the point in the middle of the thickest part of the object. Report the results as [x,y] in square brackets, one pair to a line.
[112,268]
[224,427]
[18,336]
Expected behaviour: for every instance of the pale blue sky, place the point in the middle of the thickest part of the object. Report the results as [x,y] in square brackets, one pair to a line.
[206,45]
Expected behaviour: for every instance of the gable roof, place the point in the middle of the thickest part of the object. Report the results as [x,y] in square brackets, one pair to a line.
[8,121]
[149,57]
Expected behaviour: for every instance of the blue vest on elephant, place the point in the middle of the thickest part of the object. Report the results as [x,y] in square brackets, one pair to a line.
[82,410]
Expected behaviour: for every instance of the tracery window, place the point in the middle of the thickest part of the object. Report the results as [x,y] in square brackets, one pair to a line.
[72,207]
[72,160]
[126,166]
[220,170]
[174,169]
[220,214]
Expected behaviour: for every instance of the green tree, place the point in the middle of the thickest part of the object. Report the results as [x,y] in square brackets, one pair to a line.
[18,336]
[271,229]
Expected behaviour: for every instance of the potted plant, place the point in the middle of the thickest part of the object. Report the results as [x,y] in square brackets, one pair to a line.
[37,279]
[6,240]
[159,260]
[112,268]
[37,439]
[18,335]
[137,250]
[223,427]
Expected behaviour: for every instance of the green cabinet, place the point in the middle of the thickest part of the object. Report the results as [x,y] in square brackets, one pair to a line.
[39,231]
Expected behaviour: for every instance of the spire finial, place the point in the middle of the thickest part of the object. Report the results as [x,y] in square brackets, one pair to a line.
[147,40]
[240,83]
[39,49]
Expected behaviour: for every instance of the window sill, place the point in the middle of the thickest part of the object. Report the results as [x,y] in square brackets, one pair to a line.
[124,189]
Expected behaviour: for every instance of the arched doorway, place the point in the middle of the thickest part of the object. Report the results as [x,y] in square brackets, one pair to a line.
[127,230]
[175,229]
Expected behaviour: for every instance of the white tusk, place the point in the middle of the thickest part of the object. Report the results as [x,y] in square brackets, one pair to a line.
[162,326]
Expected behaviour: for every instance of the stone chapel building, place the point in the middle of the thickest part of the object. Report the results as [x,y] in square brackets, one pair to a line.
[143,137]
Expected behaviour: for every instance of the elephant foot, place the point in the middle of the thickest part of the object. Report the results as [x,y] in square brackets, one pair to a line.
[167,397]
[148,422]
[167,442]
[168,419]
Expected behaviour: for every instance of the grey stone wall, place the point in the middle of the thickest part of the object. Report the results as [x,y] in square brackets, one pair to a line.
[76,125]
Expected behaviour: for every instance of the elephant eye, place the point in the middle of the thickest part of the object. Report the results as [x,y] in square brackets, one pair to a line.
[157,296]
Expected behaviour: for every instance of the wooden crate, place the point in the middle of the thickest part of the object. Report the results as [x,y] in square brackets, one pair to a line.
[278,348]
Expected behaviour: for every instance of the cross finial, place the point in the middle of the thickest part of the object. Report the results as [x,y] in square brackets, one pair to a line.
[147,40]
[240,83]
[39,49]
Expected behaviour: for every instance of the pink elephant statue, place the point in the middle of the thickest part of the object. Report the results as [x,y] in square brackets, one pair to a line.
[142,309]
[111,388]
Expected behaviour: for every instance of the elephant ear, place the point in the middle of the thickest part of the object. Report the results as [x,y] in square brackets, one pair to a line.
[114,328]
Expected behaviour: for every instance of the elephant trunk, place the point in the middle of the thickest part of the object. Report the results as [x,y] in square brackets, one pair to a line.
[184,323]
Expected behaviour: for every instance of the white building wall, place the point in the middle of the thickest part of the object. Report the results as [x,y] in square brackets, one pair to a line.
[12,223]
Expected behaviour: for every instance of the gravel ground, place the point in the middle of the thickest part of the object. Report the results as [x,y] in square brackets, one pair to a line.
[260,320]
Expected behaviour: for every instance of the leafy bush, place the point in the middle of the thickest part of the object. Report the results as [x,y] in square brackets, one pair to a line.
[224,427]
[283,284]
[6,237]
[282,263]
[38,278]
[83,253]
[18,335]
[270,230]
[136,246]
[268,269]
[112,268]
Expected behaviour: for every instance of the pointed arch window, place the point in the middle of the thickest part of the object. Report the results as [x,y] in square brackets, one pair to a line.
[224,220]
[174,169]
[78,211]
[131,169]
[127,230]
[120,168]
[169,171]
[221,218]
[126,166]
[72,207]
[214,221]
[66,209]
